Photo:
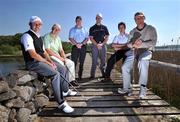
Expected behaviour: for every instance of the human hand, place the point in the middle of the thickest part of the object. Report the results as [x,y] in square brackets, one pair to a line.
[78,46]
[137,43]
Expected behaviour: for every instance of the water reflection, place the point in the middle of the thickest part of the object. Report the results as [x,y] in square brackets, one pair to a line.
[10,64]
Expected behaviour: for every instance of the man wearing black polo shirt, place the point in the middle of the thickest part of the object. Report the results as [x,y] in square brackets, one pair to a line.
[98,34]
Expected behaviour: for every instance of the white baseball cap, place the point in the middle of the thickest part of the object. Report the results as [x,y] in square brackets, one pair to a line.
[34,19]
[99,14]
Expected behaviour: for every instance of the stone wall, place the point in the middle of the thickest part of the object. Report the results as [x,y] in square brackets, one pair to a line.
[22,96]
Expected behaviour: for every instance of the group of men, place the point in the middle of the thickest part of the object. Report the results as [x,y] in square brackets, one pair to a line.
[45,55]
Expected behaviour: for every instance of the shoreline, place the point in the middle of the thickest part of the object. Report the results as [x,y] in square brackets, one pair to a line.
[10,56]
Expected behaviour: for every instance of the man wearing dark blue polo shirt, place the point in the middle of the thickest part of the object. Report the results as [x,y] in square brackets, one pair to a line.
[98,34]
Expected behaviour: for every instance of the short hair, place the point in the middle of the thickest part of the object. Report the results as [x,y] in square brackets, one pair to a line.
[121,23]
[139,14]
[78,17]
[56,25]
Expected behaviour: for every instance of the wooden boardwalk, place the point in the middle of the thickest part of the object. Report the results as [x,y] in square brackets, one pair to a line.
[102,103]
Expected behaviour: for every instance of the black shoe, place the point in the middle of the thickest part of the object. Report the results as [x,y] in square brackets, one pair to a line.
[74,83]
[107,79]
[79,79]
[91,77]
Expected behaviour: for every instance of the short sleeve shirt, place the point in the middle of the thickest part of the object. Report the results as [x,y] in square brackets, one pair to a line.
[27,41]
[54,44]
[120,39]
[78,34]
[98,32]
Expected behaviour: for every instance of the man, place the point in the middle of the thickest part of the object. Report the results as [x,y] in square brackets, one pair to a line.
[79,38]
[142,42]
[118,44]
[54,48]
[38,60]
[98,34]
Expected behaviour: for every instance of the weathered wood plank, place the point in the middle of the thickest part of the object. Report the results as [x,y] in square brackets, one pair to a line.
[107,98]
[100,104]
[150,118]
[114,111]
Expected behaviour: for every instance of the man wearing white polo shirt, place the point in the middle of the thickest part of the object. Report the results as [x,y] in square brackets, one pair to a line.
[78,37]
[119,45]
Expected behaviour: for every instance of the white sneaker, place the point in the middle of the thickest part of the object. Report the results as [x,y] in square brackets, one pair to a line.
[69,93]
[123,92]
[142,93]
[66,108]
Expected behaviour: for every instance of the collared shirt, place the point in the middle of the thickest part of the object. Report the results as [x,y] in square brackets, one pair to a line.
[54,44]
[98,32]
[78,34]
[27,41]
[120,39]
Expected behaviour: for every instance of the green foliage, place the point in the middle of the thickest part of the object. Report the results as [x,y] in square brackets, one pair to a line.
[8,49]
[67,46]
[10,40]
[10,44]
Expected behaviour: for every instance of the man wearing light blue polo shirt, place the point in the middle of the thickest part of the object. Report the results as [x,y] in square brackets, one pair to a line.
[78,37]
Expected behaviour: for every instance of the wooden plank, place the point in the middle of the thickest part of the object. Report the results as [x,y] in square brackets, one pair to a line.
[107,98]
[101,104]
[150,118]
[113,111]
[109,93]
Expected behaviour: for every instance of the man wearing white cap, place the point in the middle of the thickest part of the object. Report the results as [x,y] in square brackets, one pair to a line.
[98,34]
[38,60]
[142,41]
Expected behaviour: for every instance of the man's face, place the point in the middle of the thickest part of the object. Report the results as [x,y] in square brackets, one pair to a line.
[121,29]
[79,22]
[36,26]
[139,20]
[98,19]
[56,31]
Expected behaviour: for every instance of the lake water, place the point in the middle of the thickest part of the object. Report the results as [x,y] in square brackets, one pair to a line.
[9,64]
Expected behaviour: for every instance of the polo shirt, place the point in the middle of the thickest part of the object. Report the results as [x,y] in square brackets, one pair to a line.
[98,32]
[27,41]
[120,39]
[78,34]
[54,44]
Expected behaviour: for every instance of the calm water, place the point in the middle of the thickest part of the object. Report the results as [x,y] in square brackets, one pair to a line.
[9,64]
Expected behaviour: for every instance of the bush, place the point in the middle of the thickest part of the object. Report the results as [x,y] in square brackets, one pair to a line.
[8,49]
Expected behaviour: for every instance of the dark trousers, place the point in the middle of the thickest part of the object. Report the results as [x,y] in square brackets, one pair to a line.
[58,83]
[113,59]
[81,55]
[101,54]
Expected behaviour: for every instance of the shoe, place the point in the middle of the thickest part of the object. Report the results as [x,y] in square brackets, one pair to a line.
[69,93]
[91,78]
[74,83]
[107,79]
[142,93]
[124,92]
[79,79]
[66,108]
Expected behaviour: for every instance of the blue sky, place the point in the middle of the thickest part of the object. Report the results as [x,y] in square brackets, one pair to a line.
[162,14]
